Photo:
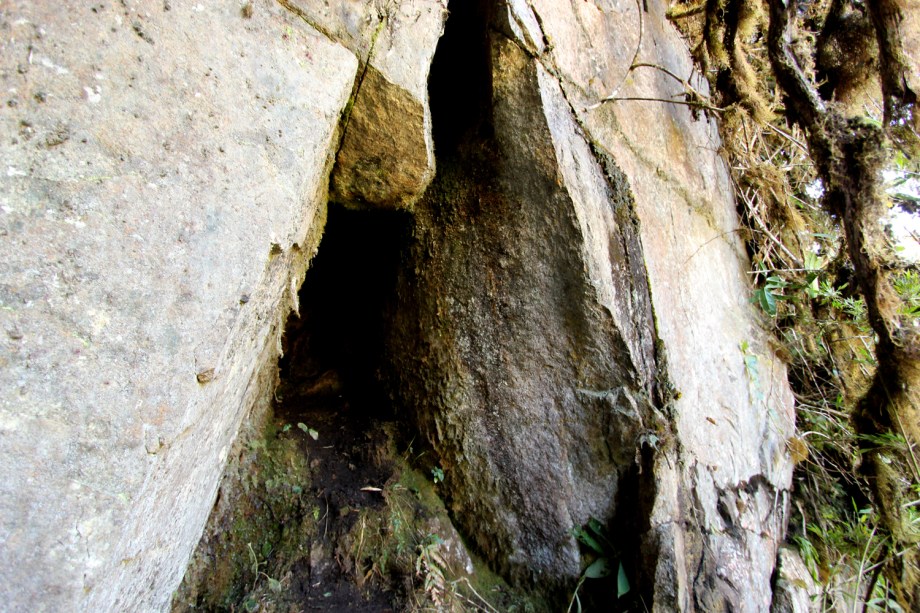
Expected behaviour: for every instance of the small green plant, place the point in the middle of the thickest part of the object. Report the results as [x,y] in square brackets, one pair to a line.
[751,368]
[592,536]
[437,474]
[750,361]
[310,431]
[907,285]
[255,566]
[430,565]
[772,290]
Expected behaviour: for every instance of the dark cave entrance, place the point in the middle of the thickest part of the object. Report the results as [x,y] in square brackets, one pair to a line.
[334,350]
[333,402]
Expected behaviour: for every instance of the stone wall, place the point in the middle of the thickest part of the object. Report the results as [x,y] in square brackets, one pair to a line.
[578,338]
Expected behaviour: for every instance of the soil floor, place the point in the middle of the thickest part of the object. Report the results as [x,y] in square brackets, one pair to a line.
[349,458]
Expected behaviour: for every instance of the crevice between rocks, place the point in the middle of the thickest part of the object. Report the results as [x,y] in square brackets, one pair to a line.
[460,84]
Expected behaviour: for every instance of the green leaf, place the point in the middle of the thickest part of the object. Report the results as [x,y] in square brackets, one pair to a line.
[766,300]
[595,527]
[622,582]
[588,540]
[274,585]
[774,282]
[286,427]
[813,261]
[313,433]
[812,289]
[599,569]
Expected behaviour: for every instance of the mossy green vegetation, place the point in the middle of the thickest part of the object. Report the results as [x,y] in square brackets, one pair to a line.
[409,548]
[270,534]
[810,139]
[261,522]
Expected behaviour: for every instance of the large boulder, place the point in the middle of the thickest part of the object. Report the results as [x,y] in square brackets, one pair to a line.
[577,338]
[387,156]
[164,184]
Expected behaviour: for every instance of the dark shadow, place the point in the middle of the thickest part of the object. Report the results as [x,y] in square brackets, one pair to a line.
[334,349]
[460,82]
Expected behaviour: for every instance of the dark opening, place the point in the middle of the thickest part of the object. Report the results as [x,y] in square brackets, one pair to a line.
[332,398]
[334,349]
[460,85]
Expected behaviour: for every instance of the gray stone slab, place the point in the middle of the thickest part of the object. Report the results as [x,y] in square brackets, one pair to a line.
[162,185]
[733,410]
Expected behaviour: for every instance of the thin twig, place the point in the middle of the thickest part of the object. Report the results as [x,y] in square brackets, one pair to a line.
[683,82]
[791,138]
[862,564]
[766,231]
[716,237]
[699,105]
[632,62]
[483,600]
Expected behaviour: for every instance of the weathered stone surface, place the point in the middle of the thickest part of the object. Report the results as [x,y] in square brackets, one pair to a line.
[541,388]
[387,155]
[530,363]
[733,415]
[397,37]
[450,546]
[795,590]
[163,185]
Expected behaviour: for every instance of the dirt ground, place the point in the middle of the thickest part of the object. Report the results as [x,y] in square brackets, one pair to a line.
[348,457]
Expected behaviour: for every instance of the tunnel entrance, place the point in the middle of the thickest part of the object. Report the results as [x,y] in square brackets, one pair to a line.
[331,393]
[331,502]
[334,349]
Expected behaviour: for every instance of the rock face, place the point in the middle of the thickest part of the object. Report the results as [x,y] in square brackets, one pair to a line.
[719,509]
[573,336]
[164,185]
[530,362]
[387,157]
[583,344]
[794,590]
